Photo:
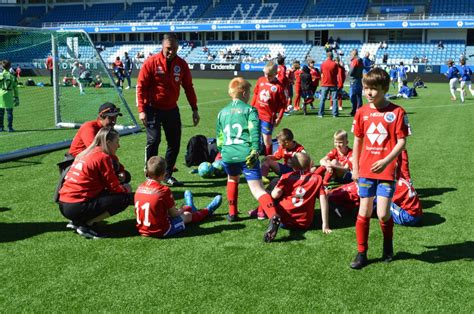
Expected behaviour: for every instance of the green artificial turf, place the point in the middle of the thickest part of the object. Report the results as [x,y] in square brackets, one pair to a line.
[221,267]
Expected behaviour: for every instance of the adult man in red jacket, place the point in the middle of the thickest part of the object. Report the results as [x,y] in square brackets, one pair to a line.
[158,85]
[329,85]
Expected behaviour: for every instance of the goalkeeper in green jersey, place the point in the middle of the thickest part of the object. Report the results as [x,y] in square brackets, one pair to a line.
[8,95]
[238,138]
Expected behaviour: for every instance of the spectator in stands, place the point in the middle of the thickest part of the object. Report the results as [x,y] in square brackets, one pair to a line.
[355,75]
[210,57]
[368,63]
[50,67]
[384,45]
[76,72]
[330,40]
[416,60]
[424,60]
[440,45]
[127,68]
[158,87]
[327,47]
[205,49]
[385,58]
[329,71]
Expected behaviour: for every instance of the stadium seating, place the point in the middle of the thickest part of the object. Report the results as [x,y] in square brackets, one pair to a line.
[110,53]
[342,8]
[247,9]
[76,13]
[455,7]
[10,15]
[158,11]
[254,52]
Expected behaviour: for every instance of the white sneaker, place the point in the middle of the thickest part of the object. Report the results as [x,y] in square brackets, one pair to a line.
[88,233]
[128,87]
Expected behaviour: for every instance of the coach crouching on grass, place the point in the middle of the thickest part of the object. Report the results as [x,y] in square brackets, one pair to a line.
[92,190]
[158,88]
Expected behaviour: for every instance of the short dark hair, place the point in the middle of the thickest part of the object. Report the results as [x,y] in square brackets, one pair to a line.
[377,77]
[170,36]
[285,135]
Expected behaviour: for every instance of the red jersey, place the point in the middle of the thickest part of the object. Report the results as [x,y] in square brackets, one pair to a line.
[406,197]
[269,98]
[84,137]
[89,176]
[298,79]
[290,74]
[281,76]
[49,63]
[329,73]
[315,76]
[300,189]
[158,84]
[287,154]
[152,201]
[345,196]
[341,76]
[118,64]
[403,170]
[379,130]
[344,160]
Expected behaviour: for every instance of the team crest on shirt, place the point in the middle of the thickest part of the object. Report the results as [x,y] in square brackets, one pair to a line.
[177,69]
[159,70]
[389,117]
[273,88]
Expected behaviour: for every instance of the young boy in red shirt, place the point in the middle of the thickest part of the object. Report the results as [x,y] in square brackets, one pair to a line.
[155,208]
[295,195]
[337,164]
[380,128]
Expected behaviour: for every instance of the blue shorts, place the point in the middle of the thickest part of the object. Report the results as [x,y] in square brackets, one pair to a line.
[236,168]
[373,187]
[177,226]
[266,127]
[402,217]
[284,169]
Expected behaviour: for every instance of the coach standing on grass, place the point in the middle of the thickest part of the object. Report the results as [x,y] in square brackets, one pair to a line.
[158,88]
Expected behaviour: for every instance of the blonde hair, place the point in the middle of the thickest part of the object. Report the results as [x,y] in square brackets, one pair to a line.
[270,68]
[238,86]
[102,140]
[340,134]
[155,166]
[301,161]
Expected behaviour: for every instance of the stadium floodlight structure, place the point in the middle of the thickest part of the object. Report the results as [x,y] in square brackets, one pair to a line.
[48,114]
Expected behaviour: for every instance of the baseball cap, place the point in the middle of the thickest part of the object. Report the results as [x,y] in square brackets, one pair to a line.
[109,109]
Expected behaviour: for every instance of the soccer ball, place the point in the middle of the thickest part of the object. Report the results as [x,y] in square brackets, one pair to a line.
[218,168]
[289,108]
[206,170]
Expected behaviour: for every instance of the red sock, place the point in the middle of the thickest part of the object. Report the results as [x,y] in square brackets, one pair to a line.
[199,215]
[362,233]
[387,228]
[232,195]
[268,150]
[327,178]
[266,204]
[187,208]
[320,170]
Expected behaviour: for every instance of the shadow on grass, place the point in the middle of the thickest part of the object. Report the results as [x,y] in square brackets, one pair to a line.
[294,235]
[427,192]
[195,230]
[204,184]
[4,209]
[429,203]
[442,253]
[431,219]
[178,195]
[19,164]
[10,232]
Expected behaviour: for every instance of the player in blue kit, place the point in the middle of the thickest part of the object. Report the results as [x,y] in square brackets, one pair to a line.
[465,78]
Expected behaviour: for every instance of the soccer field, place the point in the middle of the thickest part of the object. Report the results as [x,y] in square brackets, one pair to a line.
[221,267]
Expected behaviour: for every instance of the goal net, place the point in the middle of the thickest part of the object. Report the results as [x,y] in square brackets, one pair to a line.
[55,102]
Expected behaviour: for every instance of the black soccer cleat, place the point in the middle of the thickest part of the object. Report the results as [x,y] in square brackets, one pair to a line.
[272,229]
[171,181]
[232,218]
[360,261]
[387,255]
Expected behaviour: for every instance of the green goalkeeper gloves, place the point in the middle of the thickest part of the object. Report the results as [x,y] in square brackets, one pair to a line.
[251,159]
[16,101]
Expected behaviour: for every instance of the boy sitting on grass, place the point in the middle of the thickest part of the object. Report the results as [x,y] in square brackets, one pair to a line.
[155,208]
[295,196]
[337,164]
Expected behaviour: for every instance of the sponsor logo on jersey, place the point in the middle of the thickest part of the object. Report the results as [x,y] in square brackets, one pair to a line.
[377,133]
[264,95]
[177,69]
[389,117]
[377,114]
